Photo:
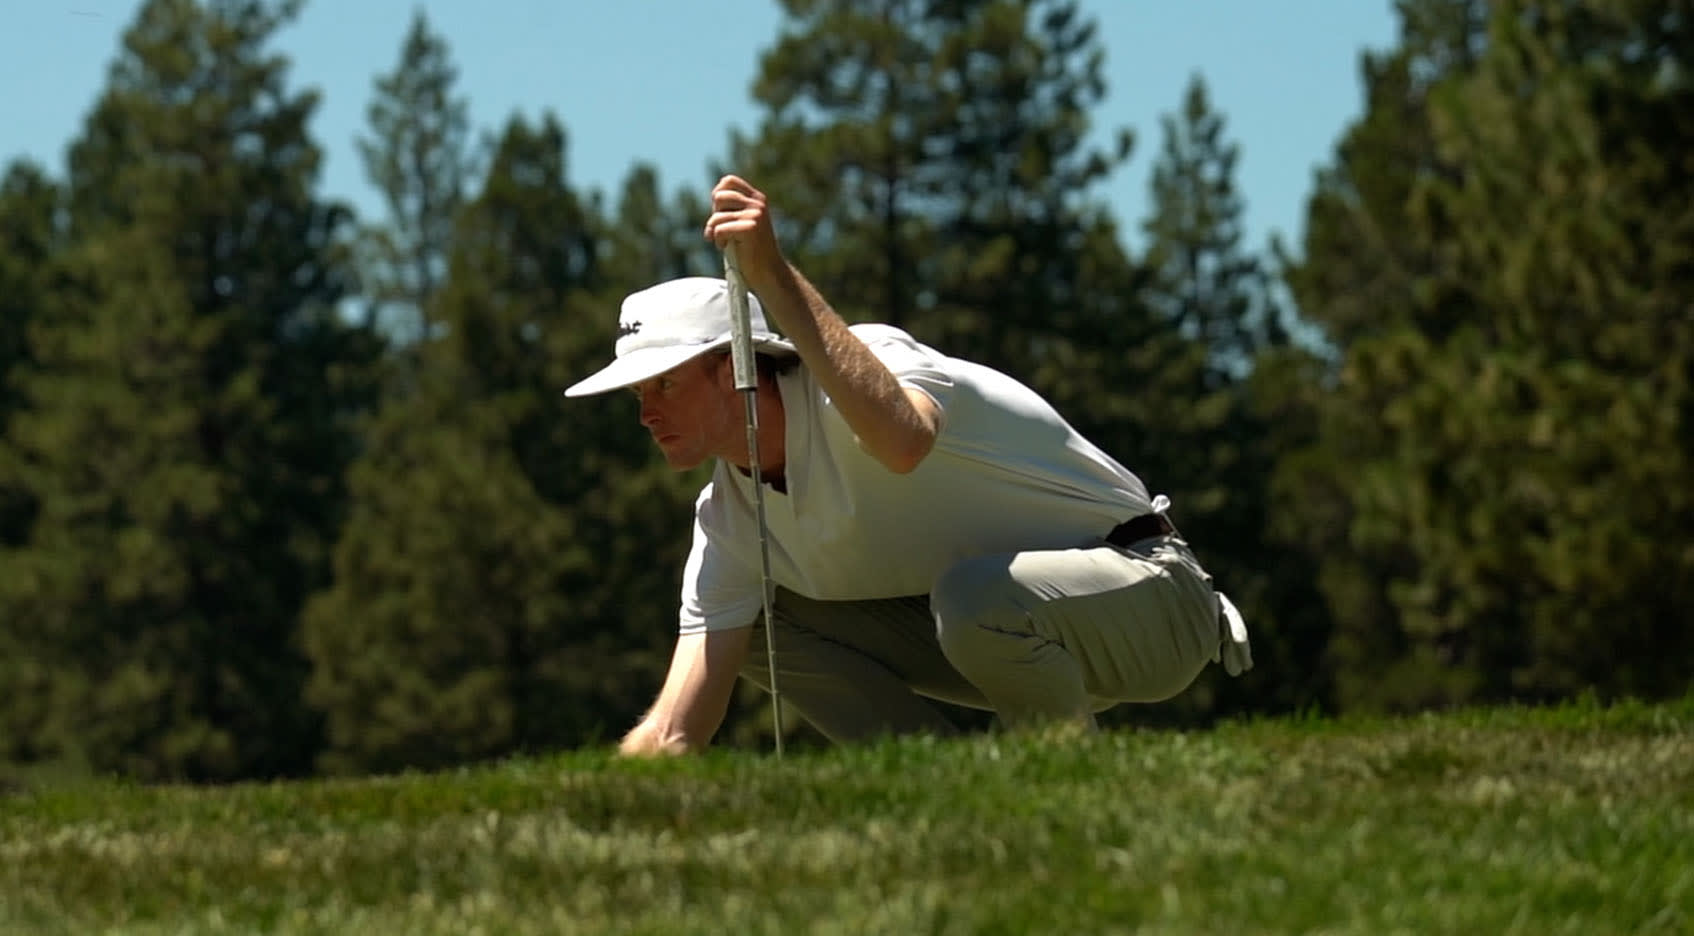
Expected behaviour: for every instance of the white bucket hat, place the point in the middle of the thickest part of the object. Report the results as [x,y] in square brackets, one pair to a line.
[669,324]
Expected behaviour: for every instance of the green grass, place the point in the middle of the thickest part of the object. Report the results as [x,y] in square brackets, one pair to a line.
[1577,819]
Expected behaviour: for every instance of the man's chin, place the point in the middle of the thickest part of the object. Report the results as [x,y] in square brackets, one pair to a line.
[681,461]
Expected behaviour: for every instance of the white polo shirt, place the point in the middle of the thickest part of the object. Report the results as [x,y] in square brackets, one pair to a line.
[1006,474]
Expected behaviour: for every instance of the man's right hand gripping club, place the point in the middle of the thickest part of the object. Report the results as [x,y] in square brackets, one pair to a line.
[895,425]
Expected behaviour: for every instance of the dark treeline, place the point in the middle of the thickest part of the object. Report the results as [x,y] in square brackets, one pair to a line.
[285,490]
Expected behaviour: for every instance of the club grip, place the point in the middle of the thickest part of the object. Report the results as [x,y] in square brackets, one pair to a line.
[741,324]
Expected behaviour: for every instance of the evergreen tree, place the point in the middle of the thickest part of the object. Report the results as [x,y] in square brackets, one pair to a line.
[1210,445]
[929,165]
[186,416]
[1211,296]
[1531,499]
[1357,269]
[418,155]
[648,241]
[31,241]
[30,245]
[1357,266]
[1206,279]
[491,583]
[1532,369]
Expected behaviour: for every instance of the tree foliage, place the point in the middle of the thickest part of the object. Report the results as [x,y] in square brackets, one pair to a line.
[185,422]
[418,155]
[241,536]
[1212,439]
[932,170]
[483,589]
[31,246]
[1505,440]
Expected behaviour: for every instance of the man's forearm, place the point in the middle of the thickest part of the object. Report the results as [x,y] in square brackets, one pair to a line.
[895,426]
[695,696]
[891,427]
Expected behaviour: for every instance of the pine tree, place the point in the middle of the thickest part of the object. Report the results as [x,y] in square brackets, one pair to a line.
[506,563]
[1208,441]
[1207,290]
[1352,282]
[186,417]
[1569,450]
[418,155]
[929,168]
[30,245]
[1207,280]
[1356,267]
[1528,367]
[31,241]
[648,241]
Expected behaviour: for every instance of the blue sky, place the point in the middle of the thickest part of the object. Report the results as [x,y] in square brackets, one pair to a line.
[662,81]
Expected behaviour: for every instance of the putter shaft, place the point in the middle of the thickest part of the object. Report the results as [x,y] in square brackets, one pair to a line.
[747,381]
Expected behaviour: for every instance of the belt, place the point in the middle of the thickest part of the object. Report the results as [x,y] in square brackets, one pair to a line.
[1140,528]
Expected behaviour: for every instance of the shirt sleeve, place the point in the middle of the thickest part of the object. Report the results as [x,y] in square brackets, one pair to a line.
[911,363]
[719,590]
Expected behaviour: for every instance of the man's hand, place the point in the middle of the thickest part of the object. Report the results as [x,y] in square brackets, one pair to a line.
[647,740]
[896,425]
[741,215]
[692,703]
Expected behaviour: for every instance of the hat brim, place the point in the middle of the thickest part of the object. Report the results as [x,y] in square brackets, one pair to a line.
[646,363]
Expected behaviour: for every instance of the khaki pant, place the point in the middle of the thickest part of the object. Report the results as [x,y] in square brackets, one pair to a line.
[1035,636]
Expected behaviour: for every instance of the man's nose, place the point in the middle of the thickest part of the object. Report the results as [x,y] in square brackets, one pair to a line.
[649,413]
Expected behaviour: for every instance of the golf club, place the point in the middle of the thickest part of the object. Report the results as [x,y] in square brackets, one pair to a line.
[747,381]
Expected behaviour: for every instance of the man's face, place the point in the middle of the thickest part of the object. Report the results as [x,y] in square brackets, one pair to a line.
[690,410]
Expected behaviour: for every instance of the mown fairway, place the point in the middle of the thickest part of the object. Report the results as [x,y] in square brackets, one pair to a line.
[1570,820]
